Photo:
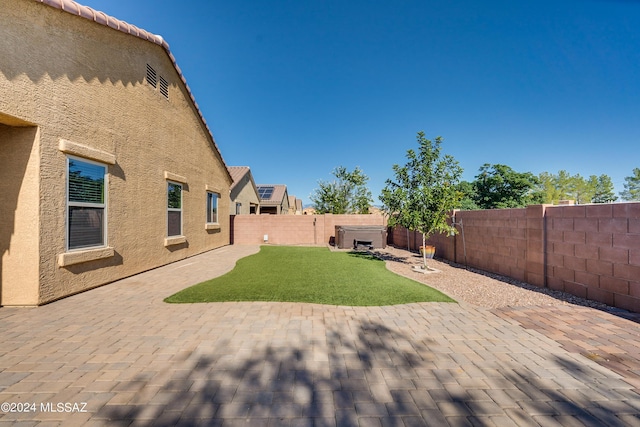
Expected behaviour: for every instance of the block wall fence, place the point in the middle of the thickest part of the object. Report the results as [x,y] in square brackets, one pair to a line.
[294,229]
[591,251]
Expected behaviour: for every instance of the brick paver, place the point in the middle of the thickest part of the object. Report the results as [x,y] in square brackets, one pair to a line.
[134,360]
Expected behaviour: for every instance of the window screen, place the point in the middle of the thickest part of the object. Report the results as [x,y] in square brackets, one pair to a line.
[212,207]
[85,204]
[174,209]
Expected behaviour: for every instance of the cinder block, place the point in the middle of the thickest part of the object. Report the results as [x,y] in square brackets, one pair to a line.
[627,241]
[576,289]
[602,268]
[627,302]
[564,274]
[549,212]
[600,295]
[575,264]
[588,279]
[634,289]
[555,283]
[586,251]
[626,272]
[613,225]
[613,284]
[573,211]
[585,224]
[555,260]
[634,225]
[615,255]
[599,210]
[574,236]
[562,224]
[634,257]
[599,239]
[534,278]
[554,235]
[626,210]
[562,248]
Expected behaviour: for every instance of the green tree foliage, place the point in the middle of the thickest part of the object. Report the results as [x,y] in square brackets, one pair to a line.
[346,194]
[468,201]
[604,189]
[632,186]
[499,186]
[564,186]
[424,191]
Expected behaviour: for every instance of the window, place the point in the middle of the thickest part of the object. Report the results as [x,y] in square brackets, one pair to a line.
[212,207]
[86,204]
[174,209]
[238,208]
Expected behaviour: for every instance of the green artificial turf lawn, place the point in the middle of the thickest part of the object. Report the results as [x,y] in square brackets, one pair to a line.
[313,275]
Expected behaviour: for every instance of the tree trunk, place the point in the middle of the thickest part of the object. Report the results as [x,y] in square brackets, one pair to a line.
[424,251]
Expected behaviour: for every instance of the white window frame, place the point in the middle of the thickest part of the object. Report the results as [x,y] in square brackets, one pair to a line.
[238,208]
[103,205]
[175,209]
[216,196]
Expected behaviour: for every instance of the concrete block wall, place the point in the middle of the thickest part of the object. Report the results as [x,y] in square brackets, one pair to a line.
[294,229]
[591,251]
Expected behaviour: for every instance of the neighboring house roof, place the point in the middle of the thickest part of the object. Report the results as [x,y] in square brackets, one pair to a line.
[237,173]
[102,18]
[271,194]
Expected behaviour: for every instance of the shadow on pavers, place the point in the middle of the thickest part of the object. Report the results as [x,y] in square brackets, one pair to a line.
[374,372]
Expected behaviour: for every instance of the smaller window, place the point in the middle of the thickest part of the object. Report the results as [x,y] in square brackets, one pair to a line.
[174,209]
[238,208]
[212,207]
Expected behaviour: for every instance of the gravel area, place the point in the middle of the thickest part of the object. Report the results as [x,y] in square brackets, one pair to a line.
[477,287]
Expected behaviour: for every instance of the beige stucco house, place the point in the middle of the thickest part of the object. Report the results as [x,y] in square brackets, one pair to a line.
[274,199]
[107,167]
[244,192]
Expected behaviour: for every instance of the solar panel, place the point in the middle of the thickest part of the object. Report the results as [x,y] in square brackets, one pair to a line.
[265,193]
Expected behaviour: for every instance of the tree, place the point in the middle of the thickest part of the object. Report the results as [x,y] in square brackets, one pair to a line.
[424,190]
[347,194]
[467,202]
[603,189]
[499,186]
[563,186]
[632,186]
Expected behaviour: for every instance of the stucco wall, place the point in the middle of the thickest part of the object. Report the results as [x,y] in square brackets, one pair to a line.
[244,193]
[85,83]
[18,212]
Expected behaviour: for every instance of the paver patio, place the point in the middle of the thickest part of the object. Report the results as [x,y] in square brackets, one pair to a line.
[135,360]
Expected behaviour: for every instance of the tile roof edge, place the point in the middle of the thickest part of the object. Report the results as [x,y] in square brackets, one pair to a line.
[102,18]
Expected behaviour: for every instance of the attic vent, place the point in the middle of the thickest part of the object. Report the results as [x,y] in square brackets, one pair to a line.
[151,76]
[164,87]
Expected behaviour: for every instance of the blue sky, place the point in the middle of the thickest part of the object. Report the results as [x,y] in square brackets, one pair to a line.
[295,88]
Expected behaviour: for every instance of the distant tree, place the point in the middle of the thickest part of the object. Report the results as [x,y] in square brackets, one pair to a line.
[603,189]
[424,191]
[632,186]
[499,186]
[564,186]
[347,194]
[468,193]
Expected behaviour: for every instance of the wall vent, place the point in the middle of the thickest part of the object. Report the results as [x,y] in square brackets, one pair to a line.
[164,87]
[151,76]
